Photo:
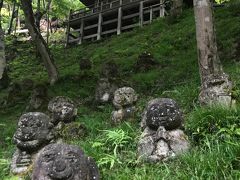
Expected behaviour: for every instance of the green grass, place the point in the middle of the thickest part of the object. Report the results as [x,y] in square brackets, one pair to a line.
[213,132]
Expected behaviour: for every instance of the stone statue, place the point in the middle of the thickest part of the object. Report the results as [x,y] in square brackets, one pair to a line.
[161,137]
[216,90]
[33,132]
[62,161]
[123,97]
[124,101]
[162,112]
[38,100]
[104,91]
[62,109]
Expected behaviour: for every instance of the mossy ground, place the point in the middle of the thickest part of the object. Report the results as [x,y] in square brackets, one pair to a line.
[215,152]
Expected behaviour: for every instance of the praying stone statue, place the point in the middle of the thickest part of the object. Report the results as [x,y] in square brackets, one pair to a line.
[124,101]
[162,137]
[33,132]
[62,109]
[66,162]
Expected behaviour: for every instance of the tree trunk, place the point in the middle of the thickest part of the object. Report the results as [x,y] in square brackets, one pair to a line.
[12,18]
[215,83]
[40,43]
[3,72]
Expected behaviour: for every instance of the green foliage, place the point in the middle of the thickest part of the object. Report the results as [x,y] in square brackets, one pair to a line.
[213,122]
[61,8]
[112,141]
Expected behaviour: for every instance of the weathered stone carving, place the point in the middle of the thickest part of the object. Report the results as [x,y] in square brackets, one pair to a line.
[39,99]
[121,114]
[104,91]
[124,97]
[62,109]
[216,90]
[33,132]
[62,161]
[162,112]
[106,86]
[21,162]
[124,101]
[162,138]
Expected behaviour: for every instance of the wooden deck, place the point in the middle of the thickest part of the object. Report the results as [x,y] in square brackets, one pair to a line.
[106,19]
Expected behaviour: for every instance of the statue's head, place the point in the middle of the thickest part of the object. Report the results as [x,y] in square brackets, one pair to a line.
[163,112]
[33,131]
[124,97]
[62,161]
[62,109]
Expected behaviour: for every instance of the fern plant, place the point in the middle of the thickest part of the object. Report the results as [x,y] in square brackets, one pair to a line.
[111,142]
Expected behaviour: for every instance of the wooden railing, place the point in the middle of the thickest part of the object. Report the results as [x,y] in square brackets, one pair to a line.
[96,8]
[146,12]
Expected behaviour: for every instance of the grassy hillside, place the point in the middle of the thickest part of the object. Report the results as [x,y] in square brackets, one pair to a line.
[213,132]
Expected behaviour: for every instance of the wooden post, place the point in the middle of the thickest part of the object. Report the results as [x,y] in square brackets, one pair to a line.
[101,6]
[68,28]
[18,22]
[119,26]
[151,14]
[81,32]
[162,9]
[141,14]
[99,26]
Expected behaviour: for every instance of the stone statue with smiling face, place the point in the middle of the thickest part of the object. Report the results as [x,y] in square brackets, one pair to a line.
[63,161]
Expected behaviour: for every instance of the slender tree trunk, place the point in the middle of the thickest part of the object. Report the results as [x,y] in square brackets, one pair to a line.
[3,72]
[12,18]
[40,43]
[215,83]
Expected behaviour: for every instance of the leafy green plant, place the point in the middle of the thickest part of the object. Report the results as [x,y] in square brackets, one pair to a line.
[112,141]
[213,122]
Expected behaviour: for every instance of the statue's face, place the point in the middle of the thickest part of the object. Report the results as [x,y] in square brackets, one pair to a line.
[33,131]
[61,161]
[124,96]
[163,113]
[63,109]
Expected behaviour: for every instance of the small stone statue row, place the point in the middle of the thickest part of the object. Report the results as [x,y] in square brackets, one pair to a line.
[161,123]
[33,136]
